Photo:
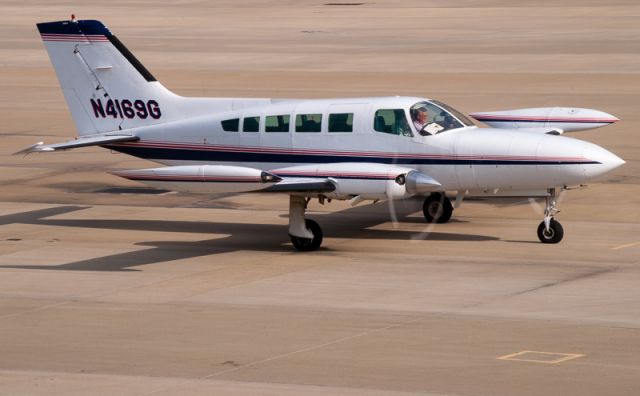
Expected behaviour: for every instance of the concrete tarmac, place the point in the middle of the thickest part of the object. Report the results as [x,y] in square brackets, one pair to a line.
[108,287]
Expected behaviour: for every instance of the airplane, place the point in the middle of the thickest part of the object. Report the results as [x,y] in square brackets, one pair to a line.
[355,149]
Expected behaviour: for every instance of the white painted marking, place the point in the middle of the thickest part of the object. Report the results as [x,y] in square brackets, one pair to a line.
[522,357]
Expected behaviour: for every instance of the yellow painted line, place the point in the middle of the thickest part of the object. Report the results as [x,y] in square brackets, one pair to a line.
[625,246]
[521,357]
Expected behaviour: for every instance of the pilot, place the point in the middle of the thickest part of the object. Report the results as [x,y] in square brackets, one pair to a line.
[420,118]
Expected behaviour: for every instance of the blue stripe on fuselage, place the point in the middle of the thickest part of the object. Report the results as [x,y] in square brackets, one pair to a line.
[185,154]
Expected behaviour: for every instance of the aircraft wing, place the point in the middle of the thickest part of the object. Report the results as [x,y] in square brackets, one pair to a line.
[224,179]
[551,120]
[82,141]
[344,180]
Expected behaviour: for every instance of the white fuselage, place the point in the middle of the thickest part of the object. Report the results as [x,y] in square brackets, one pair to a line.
[467,158]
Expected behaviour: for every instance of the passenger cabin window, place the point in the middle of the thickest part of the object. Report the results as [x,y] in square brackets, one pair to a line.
[392,121]
[251,124]
[341,122]
[277,123]
[308,122]
[231,125]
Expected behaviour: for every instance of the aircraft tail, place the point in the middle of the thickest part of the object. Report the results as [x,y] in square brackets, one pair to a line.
[105,86]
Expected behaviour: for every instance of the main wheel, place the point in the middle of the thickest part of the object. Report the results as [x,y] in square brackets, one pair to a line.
[553,235]
[306,244]
[437,208]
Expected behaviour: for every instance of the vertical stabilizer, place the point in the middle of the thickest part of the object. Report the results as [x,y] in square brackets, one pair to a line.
[105,86]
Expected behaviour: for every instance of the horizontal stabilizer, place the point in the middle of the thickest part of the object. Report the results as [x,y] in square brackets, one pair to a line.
[83,141]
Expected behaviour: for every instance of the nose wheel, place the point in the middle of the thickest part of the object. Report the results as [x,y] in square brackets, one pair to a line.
[550,230]
[552,234]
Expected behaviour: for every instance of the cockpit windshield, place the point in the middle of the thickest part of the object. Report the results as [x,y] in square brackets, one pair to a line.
[430,118]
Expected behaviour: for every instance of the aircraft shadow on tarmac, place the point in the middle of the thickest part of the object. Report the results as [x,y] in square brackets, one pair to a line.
[349,223]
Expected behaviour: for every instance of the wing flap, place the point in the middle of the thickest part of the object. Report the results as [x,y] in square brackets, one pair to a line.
[302,186]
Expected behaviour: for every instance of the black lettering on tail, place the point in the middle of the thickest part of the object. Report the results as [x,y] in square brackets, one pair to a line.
[98,110]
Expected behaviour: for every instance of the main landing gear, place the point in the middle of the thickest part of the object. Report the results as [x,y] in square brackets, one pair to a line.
[305,234]
[437,208]
[550,230]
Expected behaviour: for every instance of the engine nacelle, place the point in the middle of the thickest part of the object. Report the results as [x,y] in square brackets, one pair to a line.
[561,119]
[202,178]
[369,181]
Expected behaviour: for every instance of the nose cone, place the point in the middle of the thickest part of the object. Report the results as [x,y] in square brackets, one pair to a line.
[604,161]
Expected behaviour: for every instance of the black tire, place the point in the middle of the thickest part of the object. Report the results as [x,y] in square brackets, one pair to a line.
[554,235]
[437,208]
[306,244]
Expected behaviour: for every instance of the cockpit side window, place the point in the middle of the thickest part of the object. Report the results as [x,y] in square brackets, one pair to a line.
[391,121]
[429,119]
[461,117]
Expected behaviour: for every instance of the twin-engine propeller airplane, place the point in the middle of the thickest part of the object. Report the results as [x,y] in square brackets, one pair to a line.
[379,148]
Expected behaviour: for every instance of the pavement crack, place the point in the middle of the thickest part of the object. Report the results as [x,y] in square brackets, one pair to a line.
[574,278]
[319,346]
[236,367]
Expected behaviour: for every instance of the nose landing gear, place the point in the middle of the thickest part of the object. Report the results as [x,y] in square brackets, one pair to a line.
[550,230]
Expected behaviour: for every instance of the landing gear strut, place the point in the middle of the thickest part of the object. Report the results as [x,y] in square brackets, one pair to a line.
[437,208]
[305,234]
[550,230]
